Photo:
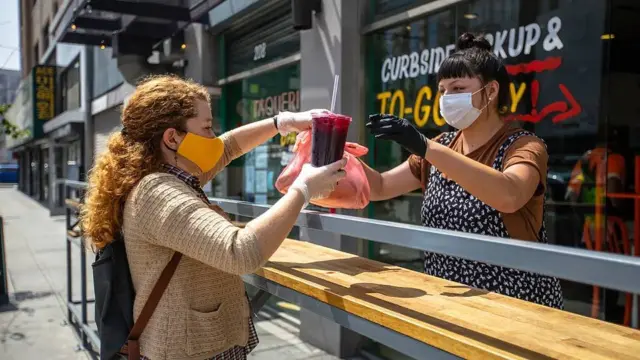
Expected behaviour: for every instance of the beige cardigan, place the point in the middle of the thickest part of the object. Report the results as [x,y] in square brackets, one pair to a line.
[204,310]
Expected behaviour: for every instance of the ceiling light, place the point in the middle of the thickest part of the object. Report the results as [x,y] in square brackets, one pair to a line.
[470,16]
[607,37]
[183,46]
[73,27]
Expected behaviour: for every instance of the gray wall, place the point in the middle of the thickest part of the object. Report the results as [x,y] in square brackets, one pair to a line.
[9,82]
[105,123]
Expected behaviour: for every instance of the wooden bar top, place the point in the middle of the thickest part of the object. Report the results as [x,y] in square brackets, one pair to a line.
[470,323]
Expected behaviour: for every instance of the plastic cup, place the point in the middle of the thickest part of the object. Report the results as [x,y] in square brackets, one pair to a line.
[328,138]
[338,137]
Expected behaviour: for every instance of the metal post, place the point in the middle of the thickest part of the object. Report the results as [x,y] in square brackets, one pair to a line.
[87,98]
[69,263]
[4,288]
[83,288]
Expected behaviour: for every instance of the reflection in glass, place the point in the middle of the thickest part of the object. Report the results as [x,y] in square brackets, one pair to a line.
[106,75]
[70,87]
[253,99]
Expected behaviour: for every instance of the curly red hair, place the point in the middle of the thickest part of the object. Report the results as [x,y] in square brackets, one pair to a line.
[159,102]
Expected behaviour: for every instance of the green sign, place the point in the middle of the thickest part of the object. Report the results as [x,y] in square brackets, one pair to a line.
[44,94]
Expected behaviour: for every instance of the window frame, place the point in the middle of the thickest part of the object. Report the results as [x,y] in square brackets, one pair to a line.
[63,88]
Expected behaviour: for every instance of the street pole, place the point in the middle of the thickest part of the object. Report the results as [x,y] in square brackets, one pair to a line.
[87,99]
[4,286]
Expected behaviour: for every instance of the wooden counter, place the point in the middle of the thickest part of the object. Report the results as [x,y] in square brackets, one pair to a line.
[469,323]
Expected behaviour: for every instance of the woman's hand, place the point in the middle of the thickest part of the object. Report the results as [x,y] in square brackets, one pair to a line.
[289,122]
[391,127]
[319,182]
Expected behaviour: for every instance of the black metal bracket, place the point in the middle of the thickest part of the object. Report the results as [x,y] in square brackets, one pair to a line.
[259,300]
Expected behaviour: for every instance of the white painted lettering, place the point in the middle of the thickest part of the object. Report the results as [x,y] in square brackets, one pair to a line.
[532,37]
[516,46]
[433,60]
[395,68]
[268,104]
[489,38]
[498,49]
[424,62]
[404,67]
[386,72]
[552,41]
[506,44]
[450,49]
[440,56]
[414,68]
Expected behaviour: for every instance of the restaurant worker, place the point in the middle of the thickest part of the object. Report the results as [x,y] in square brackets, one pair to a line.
[148,185]
[484,178]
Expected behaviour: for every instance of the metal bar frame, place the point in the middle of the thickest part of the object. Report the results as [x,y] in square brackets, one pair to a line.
[408,15]
[381,334]
[292,59]
[77,310]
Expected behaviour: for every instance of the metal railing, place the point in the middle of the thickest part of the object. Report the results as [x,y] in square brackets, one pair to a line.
[612,271]
[78,309]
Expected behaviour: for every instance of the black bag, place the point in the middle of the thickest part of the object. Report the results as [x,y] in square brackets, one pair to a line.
[114,298]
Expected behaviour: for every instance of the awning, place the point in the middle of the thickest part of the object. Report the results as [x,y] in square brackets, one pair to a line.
[64,119]
[131,26]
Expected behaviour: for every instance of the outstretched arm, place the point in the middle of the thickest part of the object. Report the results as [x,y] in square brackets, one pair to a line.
[506,191]
[390,184]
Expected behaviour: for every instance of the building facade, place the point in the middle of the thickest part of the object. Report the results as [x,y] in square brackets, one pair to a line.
[9,82]
[573,84]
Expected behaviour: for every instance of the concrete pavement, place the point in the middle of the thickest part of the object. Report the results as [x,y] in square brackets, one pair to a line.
[34,325]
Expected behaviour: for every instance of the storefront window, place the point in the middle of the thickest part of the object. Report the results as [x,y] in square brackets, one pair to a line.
[70,87]
[106,75]
[66,54]
[257,98]
[570,84]
[383,8]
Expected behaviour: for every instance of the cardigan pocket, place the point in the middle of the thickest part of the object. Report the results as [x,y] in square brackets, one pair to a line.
[205,331]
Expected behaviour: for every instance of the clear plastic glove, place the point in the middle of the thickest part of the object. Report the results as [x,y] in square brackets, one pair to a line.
[289,122]
[319,182]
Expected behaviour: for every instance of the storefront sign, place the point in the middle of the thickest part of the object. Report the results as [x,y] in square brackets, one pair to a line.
[260,51]
[44,92]
[508,45]
[270,106]
[520,41]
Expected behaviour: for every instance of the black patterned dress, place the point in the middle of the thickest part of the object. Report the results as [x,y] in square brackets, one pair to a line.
[448,206]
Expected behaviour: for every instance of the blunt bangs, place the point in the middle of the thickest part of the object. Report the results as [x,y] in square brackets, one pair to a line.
[456,66]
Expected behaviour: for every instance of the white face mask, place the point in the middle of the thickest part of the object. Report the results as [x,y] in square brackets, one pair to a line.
[458,110]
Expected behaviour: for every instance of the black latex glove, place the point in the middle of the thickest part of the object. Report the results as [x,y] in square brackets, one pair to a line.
[391,127]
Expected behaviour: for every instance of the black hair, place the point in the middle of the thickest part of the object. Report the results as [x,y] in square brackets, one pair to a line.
[474,58]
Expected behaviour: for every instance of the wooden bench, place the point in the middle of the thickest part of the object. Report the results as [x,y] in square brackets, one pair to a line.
[460,320]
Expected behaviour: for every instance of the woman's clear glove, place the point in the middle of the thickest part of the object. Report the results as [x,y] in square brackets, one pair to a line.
[289,122]
[318,182]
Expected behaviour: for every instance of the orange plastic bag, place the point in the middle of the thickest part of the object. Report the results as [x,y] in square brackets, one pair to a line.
[352,192]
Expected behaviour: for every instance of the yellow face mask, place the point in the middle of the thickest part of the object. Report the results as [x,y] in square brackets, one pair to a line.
[203,151]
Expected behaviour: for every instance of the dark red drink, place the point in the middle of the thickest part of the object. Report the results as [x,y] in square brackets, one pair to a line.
[329,135]
[338,137]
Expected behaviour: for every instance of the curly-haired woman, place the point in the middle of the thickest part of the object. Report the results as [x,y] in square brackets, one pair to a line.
[147,186]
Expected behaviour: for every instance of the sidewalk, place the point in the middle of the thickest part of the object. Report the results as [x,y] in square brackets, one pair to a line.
[34,325]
